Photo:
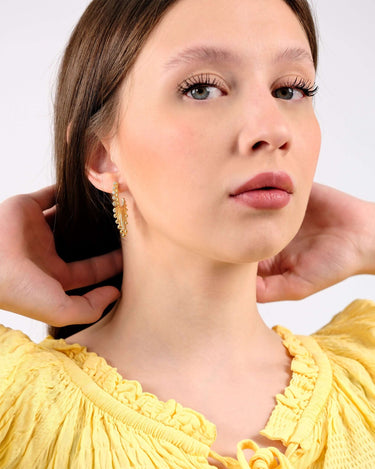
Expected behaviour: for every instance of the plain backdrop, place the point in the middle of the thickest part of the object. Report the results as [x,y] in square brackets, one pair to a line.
[32,38]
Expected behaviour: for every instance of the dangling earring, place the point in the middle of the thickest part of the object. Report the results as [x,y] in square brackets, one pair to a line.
[120,211]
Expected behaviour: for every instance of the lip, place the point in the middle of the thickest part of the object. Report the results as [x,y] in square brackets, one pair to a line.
[273,180]
[266,191]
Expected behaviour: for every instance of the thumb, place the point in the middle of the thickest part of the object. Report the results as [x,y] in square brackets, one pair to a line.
[278,288]
[85,309]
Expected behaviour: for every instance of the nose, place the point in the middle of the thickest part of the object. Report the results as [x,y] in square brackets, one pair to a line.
[265,128]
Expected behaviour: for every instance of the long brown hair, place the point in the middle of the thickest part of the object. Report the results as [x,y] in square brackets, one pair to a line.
[99,56]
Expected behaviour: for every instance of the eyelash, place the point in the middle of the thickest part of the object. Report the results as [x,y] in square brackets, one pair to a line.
[308,89]
[204,79]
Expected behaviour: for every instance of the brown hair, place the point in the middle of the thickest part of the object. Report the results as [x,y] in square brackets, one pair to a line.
[99,56]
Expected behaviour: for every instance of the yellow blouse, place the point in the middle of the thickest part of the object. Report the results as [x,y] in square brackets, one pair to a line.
[63,407]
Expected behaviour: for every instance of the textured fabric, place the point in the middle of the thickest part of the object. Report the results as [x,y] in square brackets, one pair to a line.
[63,407]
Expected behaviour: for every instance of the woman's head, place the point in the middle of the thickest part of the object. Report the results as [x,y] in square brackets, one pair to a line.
[125,111]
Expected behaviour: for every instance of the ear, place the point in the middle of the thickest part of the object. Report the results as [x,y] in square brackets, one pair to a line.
[101,171]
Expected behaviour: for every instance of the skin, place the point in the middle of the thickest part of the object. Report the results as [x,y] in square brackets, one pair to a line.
[194,307]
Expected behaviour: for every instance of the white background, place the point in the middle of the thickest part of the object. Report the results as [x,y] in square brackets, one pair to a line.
[32,39]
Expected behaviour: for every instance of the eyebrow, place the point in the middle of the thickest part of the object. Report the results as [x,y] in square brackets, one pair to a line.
[215,54]
[295,54]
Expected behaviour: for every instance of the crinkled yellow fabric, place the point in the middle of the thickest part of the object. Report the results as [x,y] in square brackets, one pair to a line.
[64,407]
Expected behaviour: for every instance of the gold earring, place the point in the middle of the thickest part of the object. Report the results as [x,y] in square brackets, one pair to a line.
[120,211]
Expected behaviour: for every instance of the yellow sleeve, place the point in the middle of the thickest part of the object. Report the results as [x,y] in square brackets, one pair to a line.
[35,397]
[14,347]
[351,335]
[349,342]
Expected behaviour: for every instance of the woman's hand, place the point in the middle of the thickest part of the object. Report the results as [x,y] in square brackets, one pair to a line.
[33,278]
[336,240]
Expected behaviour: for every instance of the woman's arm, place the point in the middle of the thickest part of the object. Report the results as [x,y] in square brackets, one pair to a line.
[336,240]
[33,278]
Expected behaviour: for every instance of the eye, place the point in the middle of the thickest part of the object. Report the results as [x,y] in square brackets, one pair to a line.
[203,92]
[296,90]
[201,88]
[288,93]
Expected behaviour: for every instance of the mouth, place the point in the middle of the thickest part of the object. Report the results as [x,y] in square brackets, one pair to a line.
[269,181]
[271,190]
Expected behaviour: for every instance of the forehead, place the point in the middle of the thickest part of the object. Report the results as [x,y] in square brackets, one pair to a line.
[248,28]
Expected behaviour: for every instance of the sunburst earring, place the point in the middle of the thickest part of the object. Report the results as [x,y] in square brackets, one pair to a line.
[120,211]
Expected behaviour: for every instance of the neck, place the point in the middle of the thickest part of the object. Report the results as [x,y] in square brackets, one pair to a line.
[181,309]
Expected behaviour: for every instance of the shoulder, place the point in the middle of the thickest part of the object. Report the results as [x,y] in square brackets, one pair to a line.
[19,357]
[22,360]
[27,371]
[354,313]
[35,397]
[351,332]
[348,341]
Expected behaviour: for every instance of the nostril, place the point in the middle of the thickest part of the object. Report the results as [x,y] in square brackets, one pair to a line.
[284,147]
[257,145]
[260,143]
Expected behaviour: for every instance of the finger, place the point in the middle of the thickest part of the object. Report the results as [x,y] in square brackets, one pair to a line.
[85,309]
[94,270]
[266,268]
[271,289]
[282,288]
[45,197]
[50,215]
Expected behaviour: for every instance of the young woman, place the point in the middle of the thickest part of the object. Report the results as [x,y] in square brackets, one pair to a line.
[195,120]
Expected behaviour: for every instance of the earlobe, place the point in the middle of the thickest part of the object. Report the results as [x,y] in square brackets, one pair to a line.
[101,171]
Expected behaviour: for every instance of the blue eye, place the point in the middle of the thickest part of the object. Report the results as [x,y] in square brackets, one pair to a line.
[295,90]
[288,93]
[201,87]
[201,91]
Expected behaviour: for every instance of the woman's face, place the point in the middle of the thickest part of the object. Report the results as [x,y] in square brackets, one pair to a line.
[183,147]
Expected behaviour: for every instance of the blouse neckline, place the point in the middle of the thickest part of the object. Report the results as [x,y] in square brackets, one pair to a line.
[295,413]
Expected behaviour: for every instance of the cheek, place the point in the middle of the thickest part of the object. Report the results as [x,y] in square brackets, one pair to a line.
[166,166]
[315,137]
[315,140]
[309,147]
[161,160]
[307,158]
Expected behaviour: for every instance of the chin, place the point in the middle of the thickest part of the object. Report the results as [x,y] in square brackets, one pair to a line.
[264,248]
[247,254]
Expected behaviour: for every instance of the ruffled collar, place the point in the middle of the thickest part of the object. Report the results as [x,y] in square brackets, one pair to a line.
[296,411]
[301,403]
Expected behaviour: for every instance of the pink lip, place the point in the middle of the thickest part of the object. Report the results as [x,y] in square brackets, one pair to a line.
[274,180]
[271,190]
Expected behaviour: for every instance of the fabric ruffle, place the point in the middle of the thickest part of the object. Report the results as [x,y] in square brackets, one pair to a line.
[131,394]
[263,458]
[299,415]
